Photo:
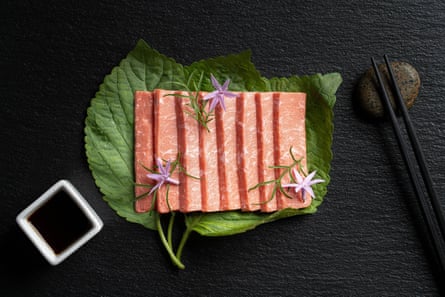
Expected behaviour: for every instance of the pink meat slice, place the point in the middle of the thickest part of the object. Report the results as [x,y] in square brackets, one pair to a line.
[265,138]
[188,144]
[227,153]
[166,145]
[291,129]
[209,175]
[247,151]
[143,149]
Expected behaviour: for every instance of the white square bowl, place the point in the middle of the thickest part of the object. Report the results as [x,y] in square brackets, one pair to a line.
[94,223]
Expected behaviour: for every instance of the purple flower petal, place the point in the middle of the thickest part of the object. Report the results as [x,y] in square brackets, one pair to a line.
[297,176]
[157,186]
[172,181]
[297,187]
[215,101]
[166,170]
[310,191]
[316,181]
[221,102]
[155,176]
[210,95]
[225,86]
[310,176]
[215,83]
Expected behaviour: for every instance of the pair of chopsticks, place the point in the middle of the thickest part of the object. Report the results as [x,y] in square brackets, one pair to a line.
[430,208]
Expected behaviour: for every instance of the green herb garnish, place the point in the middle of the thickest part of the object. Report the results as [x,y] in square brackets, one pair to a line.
[197,106]
[297,181]
[277,183]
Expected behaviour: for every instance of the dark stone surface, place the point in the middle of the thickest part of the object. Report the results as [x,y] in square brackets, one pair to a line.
[368,95]
[365,240]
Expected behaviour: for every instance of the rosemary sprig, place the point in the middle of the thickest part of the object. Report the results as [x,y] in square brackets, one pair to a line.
[277,183]
[177,163]
[197,107]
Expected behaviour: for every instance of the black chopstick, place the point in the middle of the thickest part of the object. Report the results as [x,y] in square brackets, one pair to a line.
[432,213]
[417,149]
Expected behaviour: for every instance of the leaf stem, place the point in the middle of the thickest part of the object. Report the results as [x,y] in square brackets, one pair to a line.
[170,230]
[183,241]
[190,223]
[166,244]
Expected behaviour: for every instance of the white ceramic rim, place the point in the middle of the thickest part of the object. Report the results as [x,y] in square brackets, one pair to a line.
[37,239]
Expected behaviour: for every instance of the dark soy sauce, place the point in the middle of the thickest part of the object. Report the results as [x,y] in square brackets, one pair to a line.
[60,221]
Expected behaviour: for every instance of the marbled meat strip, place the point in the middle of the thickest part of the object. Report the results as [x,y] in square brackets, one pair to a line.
[209,173]
[247,151]
[143,148]
[230,154]
[276,141]
[188,147]
[221,159]
[292,133]
[264,105]
[166,146]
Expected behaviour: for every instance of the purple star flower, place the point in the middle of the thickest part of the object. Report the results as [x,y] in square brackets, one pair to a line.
[219,94]
[163,176]
[303,184]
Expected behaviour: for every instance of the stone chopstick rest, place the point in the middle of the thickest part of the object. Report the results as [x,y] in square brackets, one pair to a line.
[367,94]
[59,222]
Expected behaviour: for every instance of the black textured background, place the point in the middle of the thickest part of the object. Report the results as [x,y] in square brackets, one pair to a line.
[364,240]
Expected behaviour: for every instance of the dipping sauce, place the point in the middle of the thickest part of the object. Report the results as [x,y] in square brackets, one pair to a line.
[60,221]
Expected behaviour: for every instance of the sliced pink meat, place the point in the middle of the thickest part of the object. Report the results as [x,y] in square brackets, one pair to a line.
[188,148]
[264,108]
[166,146]
[291,127]
[221,159]
[143,149]
[247,151]
[227,154]
[209,175]
[254,133]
